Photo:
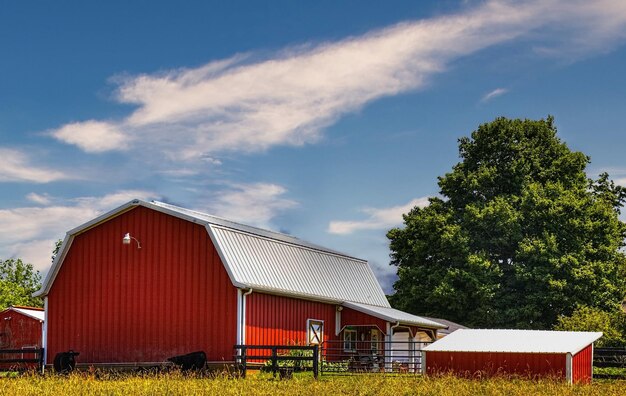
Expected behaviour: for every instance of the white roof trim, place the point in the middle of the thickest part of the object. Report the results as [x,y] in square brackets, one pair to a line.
[32,313]
[514,341]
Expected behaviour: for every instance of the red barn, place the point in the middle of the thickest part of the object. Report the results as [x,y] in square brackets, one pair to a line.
[528,353]
[150,280]
[20,328]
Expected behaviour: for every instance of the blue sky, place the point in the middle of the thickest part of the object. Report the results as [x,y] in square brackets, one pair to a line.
[325,119]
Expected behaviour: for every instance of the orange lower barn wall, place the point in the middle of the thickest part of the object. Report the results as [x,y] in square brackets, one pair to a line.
[115,303]
[277,320]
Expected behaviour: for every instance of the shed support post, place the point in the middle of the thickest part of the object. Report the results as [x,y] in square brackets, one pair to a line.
[568,369]
[412,361]
[388,343]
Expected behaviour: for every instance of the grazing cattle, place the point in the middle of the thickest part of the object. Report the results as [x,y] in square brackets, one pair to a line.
[64,362]
[190,361]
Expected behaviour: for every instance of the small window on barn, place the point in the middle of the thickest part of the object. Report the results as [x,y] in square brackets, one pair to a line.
[349,340]
[315,330]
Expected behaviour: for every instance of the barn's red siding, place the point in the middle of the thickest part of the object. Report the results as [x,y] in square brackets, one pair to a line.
[496,363]
[115,303]
[18,330]
[350,317]
[581,366]
[277,320]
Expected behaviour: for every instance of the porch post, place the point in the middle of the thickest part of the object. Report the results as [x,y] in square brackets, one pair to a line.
[412,368]
[388,357]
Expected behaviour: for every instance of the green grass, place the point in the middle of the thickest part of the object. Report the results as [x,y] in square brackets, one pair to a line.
[262,384]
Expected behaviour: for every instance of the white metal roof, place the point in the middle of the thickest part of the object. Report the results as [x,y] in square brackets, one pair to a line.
[393,315]
[277,266]
[516,341]
[33,313]
[263,260]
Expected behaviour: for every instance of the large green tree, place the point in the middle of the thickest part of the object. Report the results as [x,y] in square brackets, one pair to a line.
[18,281]
[519,236]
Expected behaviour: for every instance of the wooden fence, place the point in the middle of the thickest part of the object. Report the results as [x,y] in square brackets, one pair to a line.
[610,357]
[19,359]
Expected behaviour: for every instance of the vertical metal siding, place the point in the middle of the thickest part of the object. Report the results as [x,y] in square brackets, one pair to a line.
[351,317]
[581,365]
[115,303]
[283,320]
[532,365]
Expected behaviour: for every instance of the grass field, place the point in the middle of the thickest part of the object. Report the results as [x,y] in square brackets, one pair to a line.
[177,384]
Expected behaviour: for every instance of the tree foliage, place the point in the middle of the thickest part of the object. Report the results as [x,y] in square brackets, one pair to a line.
[611,324]
[18,281]
[519,236]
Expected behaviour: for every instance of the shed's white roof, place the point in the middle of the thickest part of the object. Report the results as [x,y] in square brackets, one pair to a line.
[394,315]
[33,313]
[522,341]
[264,260]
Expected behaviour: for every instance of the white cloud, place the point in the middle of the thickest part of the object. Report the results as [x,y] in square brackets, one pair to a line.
[93,136]
[15,166]
[378,218]
[495,93]
[25,231]
[41,199]
[242,105]
[255,204]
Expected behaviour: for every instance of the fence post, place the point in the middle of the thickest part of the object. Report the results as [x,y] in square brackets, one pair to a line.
[315,360]
[274,361]
[244,359]
[42,364]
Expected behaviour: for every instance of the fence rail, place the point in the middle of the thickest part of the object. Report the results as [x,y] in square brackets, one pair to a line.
[281,359]
[610,358]
[14,363]
[372,356]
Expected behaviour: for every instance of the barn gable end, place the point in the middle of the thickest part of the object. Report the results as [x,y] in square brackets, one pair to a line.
[116,303]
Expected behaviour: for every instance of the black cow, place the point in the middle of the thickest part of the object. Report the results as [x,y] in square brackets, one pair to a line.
[190,361]
[64,362]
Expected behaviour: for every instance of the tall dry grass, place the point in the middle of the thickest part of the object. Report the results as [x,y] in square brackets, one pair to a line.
[177,384]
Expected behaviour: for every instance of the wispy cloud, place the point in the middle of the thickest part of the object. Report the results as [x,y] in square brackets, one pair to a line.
[241,104]
[495,93]
[29,232]
[41,199]
[377,218]
[255,204]
[16,166]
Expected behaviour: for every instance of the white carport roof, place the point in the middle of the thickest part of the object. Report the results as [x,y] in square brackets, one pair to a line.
[515,341]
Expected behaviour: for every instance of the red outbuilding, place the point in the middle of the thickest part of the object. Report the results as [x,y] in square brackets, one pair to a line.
[20,328]
[150,280]
[527,353]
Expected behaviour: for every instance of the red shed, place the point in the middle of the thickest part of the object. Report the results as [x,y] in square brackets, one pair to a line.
[21,327]
[529,353]
[150,280]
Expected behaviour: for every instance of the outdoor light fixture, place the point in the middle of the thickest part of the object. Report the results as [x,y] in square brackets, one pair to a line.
[127,238]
